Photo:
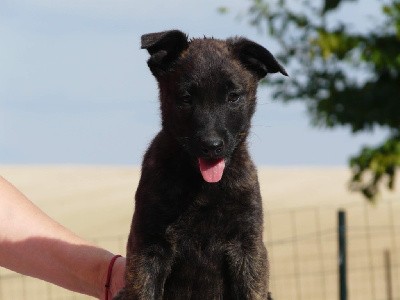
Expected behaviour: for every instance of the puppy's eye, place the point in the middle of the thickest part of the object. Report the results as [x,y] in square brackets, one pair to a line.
[234,97]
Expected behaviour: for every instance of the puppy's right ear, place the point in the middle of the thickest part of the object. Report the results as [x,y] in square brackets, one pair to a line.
[164,48]
[255,57]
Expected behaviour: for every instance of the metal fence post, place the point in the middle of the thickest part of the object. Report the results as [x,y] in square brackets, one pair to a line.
[342,255]
[388,269]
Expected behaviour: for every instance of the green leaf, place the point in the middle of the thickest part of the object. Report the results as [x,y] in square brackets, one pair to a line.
[330,5]
[373,164]
[223,10]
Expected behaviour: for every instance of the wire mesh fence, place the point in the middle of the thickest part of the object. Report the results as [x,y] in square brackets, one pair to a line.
[303,251]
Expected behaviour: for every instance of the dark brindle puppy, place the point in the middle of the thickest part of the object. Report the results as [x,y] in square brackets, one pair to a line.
[197,228]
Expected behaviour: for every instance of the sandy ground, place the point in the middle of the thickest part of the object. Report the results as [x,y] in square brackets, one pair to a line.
[96,202]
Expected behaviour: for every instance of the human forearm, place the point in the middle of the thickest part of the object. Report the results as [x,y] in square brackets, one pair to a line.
[35,245]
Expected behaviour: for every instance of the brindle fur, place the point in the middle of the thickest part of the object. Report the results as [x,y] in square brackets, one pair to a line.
[191,239]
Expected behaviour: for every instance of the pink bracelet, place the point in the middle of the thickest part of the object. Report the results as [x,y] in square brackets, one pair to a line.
[109,272]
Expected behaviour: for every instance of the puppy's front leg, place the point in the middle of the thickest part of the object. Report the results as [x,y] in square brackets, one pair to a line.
[248,266]
[147,270]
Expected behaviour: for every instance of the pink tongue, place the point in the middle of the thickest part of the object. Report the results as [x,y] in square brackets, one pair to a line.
[212,170]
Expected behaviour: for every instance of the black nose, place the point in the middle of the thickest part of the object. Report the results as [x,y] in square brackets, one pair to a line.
[212,146]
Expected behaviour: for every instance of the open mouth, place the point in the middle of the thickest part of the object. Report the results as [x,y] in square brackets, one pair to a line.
[211,169]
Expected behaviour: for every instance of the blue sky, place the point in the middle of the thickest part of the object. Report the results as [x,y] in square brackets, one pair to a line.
[75,88]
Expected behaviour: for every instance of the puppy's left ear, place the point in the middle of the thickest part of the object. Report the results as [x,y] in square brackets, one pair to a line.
[255,57]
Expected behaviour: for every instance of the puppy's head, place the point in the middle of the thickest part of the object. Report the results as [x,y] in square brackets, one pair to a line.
[207,92]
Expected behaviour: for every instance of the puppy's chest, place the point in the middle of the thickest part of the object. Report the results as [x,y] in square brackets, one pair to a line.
[205,228]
